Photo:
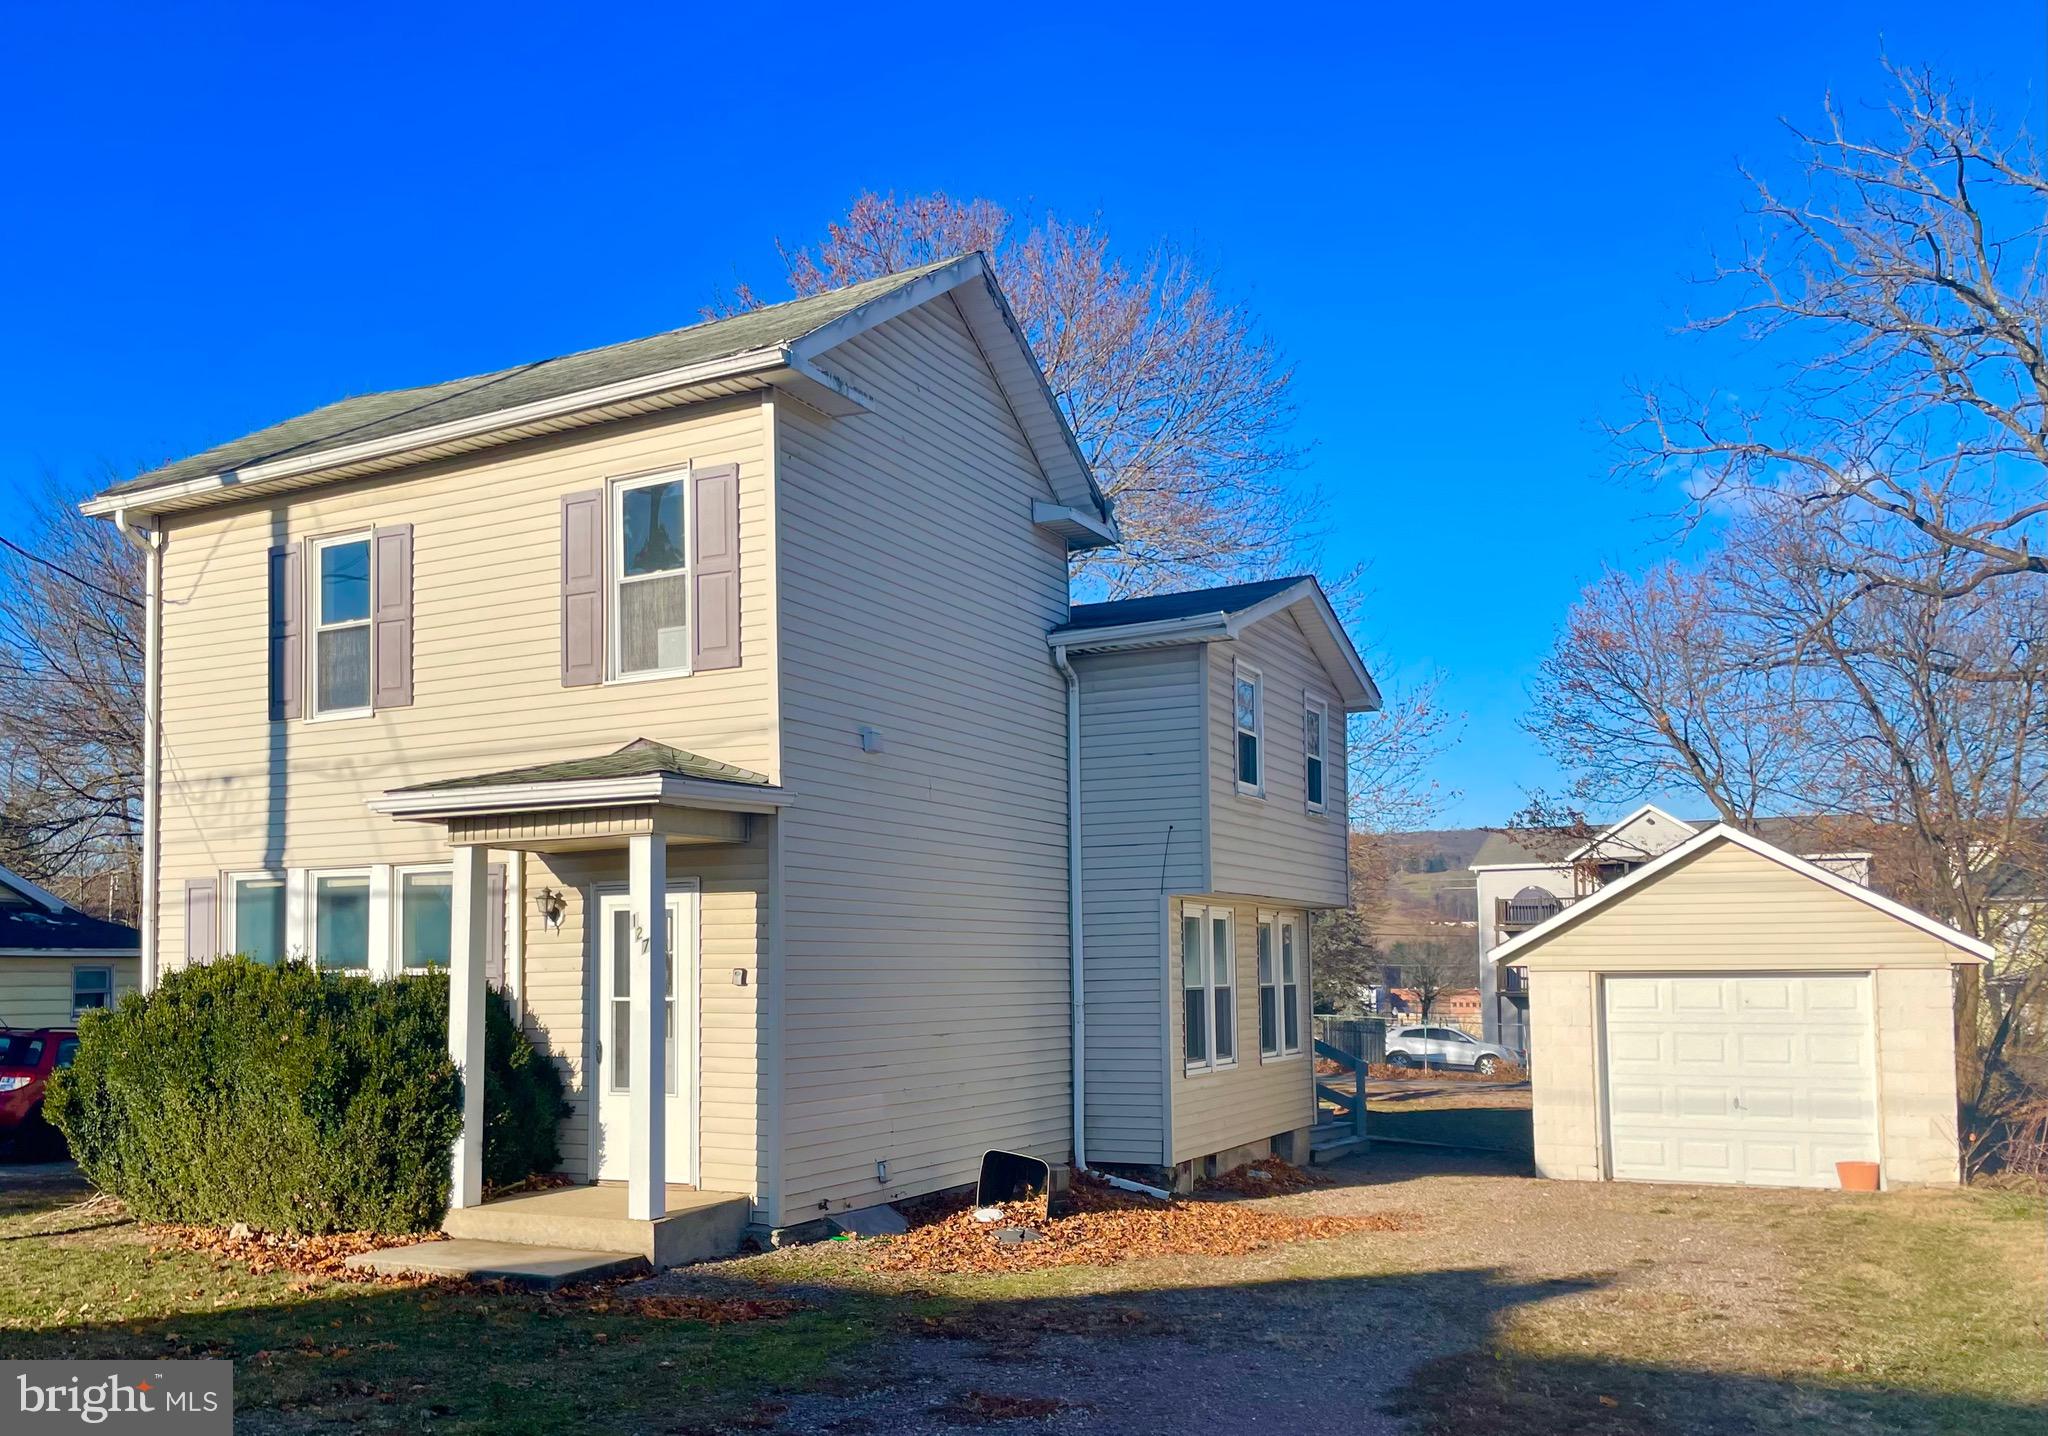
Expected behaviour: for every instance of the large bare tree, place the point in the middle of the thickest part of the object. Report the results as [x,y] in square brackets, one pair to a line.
[1179,402]
[1899,276]
[71,707]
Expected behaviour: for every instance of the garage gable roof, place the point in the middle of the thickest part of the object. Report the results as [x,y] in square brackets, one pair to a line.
[1720,833]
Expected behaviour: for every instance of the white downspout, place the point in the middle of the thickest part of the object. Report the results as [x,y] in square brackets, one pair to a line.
[1076,984]
[149,538]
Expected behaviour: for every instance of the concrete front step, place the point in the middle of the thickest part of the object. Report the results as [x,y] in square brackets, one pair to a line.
[698,1227]
[1331,1141]
[534,1267]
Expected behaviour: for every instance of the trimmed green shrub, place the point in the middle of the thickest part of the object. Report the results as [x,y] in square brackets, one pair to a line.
[290,1099]
[523,1101]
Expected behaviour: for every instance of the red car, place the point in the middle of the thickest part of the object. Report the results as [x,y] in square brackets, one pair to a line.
[27,1058]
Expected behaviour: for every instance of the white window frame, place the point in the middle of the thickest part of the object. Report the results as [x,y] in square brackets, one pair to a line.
[615,576]
[1268,957]
[316,626]
[1207,913]
[230,941]
[1240,672]
[1291,925]
[368,875]
[83,967]
[1310,704]
[398,877]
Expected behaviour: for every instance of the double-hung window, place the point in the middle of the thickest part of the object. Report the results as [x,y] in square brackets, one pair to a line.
[1248,705]
[256,916]
[92,988]
[341,626]
[1279,985]
[341,921]
[1315,727]
[1208,988]
[650,578]
[426,912]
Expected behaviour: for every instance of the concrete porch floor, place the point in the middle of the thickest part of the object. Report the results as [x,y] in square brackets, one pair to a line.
[699,1225]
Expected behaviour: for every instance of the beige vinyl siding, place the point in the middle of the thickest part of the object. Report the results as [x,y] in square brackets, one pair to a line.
[733,885]
[1272,845]
[925,1001]
[243,793]
[1724,901]
[36,991]
[1214,1111]
[1143,837]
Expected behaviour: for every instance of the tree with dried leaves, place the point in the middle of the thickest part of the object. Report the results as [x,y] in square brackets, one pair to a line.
[1180,404]
[1901,279]
[71,708]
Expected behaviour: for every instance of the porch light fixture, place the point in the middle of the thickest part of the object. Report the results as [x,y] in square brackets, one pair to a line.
[551,906]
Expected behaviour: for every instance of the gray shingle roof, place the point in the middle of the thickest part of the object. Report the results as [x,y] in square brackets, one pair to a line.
[35,926]
[401,411]
[640,758]
[1159,607]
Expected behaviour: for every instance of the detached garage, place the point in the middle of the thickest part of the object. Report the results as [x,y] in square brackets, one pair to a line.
[1731,1013]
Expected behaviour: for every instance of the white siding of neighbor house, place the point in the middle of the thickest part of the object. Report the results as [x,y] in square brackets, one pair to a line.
[243,793]
[36,991]
[1260,1097]
[1272,846]
[1143,776]
[925,998]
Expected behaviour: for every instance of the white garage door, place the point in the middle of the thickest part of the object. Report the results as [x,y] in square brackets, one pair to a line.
[1765,1080]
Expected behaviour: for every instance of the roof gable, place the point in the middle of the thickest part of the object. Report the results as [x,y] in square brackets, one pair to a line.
[778,346]
[1675,861]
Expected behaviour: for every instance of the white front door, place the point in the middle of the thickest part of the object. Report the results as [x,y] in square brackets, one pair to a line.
[613,990]
[1765,1080]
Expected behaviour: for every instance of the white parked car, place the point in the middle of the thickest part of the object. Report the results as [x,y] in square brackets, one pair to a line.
[1445,1047]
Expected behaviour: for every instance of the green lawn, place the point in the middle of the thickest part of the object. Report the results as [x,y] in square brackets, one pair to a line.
[1604,1309]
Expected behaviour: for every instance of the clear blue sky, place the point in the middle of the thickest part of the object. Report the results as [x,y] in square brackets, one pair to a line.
[1470,229]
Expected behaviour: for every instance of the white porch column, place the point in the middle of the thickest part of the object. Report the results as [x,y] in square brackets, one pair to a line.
[471,903]
[647,966]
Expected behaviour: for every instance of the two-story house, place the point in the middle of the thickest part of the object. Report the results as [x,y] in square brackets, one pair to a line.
[718,695]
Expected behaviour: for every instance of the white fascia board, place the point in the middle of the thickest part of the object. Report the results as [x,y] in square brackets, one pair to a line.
[1196,628]
[32,892]
[1647,809]
[656,788]
[754,361]
[1081,530]
[73,954]
[1721,832]
[1529,867]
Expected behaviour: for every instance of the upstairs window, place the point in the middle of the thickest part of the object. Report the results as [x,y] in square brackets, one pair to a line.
[650,579]
[1315,722]
[1249,707]
[341,626]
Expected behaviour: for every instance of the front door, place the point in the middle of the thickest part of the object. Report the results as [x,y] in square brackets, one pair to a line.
[614,1133]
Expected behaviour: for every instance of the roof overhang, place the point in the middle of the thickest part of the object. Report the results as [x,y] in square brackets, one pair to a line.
[1647,810]
[72,954]
[1614,892]
[793,367]
[42,897]
[1325,634]
[658,789]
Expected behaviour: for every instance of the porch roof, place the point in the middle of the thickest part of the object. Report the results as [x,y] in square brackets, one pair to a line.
[642,773]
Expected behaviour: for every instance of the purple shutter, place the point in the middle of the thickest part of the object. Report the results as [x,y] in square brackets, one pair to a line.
[202,920]
[715,566]
[391,617]
[494,925]
[287,622]
[583,588]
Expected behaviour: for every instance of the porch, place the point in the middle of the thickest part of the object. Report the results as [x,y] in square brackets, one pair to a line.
[635,862]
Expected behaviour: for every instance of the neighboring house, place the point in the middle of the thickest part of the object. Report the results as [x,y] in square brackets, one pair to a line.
[1525,879]
[1455,1007]
[57,963]
[1729,1012]
[750,643]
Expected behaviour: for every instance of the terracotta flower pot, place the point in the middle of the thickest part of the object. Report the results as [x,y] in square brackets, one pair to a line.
[1857,1176]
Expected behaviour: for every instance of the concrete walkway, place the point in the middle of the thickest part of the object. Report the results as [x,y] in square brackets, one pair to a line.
[535,1268]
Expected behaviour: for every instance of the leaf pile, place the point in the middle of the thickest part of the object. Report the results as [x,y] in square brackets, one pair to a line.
[1102,1226]
[711,1310]
[1270,1178]
[265,1252]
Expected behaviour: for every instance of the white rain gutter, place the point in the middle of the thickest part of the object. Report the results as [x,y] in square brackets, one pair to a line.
[150,539]
[1076,983]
